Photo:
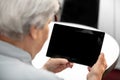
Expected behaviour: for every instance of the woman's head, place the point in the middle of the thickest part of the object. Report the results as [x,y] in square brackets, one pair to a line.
[17,16]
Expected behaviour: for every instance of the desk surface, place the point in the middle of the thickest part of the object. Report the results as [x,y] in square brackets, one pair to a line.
[110,48]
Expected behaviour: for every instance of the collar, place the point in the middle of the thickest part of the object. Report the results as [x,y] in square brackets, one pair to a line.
[12,51]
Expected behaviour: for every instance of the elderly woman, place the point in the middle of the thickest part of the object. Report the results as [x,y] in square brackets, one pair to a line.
[23,31]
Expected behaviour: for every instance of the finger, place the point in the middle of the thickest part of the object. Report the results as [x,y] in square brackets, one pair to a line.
[60,60]
[89,69]
[101,63]
[101,60]
[69,64]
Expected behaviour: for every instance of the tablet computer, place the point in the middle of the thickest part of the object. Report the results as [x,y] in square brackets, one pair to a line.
[78,45]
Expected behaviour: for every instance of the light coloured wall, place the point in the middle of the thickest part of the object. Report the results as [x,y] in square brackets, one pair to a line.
[117,19]
[109,19]
[117,25]
[106,16]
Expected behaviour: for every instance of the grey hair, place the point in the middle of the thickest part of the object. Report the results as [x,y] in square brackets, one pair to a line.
[16,16]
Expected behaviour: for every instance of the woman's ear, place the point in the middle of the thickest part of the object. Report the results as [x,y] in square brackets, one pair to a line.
[33,32]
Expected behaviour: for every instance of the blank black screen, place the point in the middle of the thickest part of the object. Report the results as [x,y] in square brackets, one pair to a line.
[81,11]
[75,44]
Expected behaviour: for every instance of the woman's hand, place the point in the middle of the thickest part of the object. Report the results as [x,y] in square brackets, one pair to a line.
[96,72]
[57,65]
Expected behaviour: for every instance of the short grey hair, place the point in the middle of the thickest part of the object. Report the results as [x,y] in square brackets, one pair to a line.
[16,16]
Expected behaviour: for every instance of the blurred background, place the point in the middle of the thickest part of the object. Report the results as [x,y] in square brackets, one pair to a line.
[100,14]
